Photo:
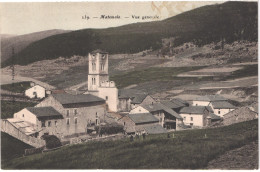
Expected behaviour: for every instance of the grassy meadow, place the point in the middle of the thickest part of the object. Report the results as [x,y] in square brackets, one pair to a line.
[188,149]
[18,87]
[153,74]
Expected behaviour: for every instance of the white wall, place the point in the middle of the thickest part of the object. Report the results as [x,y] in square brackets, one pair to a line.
[110,94]
[26,115]
[40,91]
[197,119]
[200,103]
[138,109]
[222,112]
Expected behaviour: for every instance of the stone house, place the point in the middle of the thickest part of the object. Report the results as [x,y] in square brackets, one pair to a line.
[198,116]
[239,115]
[36,91]
[79,111]
[131,98]
[167,117]
[40,120]
[219,104]
[137,123]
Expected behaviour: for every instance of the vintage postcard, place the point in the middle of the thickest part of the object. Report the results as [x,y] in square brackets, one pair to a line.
[129,85]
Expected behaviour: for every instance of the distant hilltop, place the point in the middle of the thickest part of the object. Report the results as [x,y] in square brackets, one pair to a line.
[229,21]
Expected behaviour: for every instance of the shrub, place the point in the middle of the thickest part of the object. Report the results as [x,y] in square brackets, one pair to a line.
[51,141]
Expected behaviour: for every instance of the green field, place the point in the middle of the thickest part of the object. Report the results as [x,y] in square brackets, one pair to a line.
[153,74]
[187,150]
[18,87]
[8,108]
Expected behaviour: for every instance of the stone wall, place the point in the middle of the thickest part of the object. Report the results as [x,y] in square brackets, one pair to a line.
[79,120]
[10,129]
[239,115]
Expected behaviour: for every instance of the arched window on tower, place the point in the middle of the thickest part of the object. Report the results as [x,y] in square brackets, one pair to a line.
[93,66]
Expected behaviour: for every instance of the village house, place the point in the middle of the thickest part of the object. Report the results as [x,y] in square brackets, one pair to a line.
[197,116]
[164,112]
[79,112]
[219,104]
[141,123]
[239,115]
[40,120]
[131,98]
[37,91]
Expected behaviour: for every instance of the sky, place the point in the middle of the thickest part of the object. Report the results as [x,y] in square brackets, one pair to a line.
[19,18]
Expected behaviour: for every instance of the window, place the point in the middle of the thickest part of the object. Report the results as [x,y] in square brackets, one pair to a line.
[106,97]
[49,123]
[56,123]
[96,115]
[68,121]
[96,121]
[43,123]
[124,123]
[23,115]
[75,111]
[93,66]
[191,118]
[184,118]
[191,124]
[218,111]
[196,104]
[93,81]
[75,120]
[68,113]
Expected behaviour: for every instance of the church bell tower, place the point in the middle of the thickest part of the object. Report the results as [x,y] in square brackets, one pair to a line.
[98,70]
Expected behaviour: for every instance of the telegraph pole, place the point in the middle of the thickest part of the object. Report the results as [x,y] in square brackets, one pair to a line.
[12,68]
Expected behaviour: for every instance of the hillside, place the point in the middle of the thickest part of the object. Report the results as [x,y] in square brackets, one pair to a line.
[189,149]
[229,21]
[19,42]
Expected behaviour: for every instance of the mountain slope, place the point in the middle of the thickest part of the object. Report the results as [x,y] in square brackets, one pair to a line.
[230,21]
[21,41]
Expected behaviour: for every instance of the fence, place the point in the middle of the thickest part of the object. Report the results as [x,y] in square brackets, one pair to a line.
[33,151]
[104,138]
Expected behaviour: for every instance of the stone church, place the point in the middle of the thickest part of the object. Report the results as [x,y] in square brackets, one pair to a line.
[122,100]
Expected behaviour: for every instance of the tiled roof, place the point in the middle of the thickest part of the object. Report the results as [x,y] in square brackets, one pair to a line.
[45,112]
[138,99]
[153,107]
[171,105]
[140,118]
[222,105]
[155,129]
[159,106]
[193,109]
[214,116]
[211,98]
[74,99]
[179,102]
